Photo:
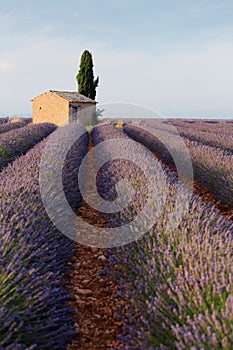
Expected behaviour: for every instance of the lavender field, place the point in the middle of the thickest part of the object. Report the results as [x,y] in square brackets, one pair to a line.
[177,283]
[212,166]
[175,278]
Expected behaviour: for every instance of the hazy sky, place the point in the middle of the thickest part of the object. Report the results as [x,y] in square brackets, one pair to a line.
[174,56]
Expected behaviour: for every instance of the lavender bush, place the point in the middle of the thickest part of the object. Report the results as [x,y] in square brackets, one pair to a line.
[18,141]
[70,171]
[4,120]
[113,171]
[34,306]
[213,168]
[4,127]
[116,170]
[178,284]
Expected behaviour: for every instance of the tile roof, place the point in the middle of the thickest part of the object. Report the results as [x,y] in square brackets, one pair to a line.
[73,96]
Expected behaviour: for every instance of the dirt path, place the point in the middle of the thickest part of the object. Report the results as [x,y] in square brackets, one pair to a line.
[93,296]
[95,300]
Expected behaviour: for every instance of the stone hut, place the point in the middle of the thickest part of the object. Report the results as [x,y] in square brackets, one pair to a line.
[62,107]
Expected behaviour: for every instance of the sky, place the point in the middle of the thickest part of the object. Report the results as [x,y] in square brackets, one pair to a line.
[175,57]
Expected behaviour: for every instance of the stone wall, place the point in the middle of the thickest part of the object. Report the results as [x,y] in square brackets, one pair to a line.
[50,107]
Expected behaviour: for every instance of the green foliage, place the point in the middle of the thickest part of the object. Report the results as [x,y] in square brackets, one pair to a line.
[85,78]
[95,119]
[96,115]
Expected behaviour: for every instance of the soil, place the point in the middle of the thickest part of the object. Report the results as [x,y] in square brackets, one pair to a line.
[95,300]
[93,296]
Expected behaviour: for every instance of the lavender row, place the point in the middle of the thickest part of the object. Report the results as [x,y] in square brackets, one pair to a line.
[34,256]
[16,142]
[104,132]
[4,127]
[219,135]
[113,171]
[4,120]
[212,126]
[177,285]
[213,168]
[218,140]
[176,281]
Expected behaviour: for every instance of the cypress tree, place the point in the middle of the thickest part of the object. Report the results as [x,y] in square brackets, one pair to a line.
[85,78]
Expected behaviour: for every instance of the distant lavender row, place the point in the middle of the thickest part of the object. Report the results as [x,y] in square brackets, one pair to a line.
[18,141]
[10,126]
[219,140]
[177,282]
[34,310]
[219,134]
[4,120]
[223,128]
[212,126]
[213,168]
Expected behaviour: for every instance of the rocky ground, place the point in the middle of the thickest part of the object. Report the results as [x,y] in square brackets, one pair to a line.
[93,296]
[95,300]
